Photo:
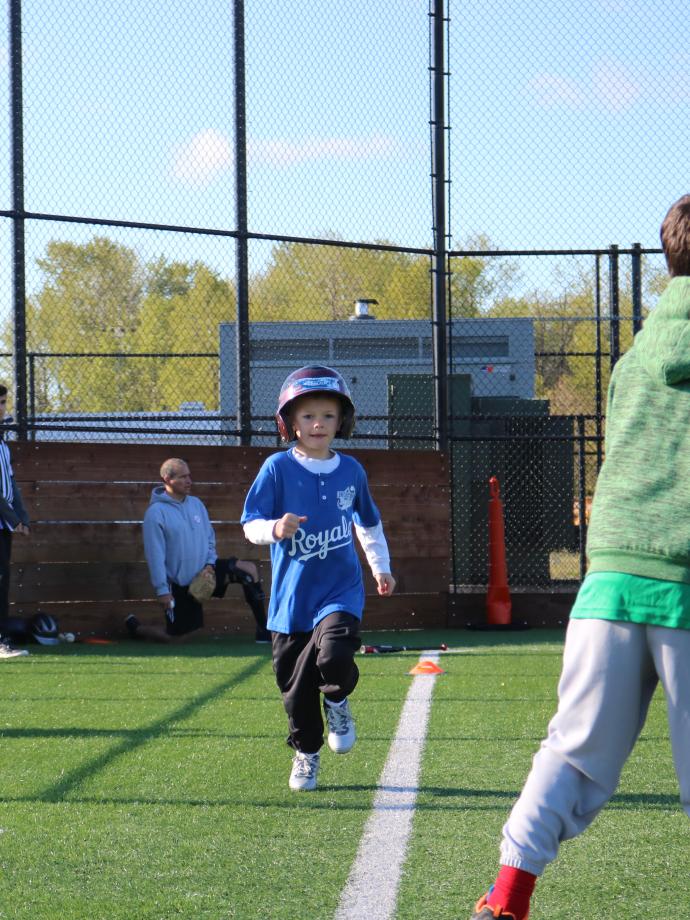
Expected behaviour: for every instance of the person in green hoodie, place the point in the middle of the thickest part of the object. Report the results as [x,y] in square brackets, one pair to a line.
[629,629]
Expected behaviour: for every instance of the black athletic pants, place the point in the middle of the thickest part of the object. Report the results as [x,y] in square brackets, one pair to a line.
[5,554]
[308,664]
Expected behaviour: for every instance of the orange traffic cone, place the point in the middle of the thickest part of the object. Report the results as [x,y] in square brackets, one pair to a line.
[426,667]
[498,603]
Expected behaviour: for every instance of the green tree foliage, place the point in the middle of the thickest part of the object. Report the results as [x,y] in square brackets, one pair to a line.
[100,298]
[90,301]
[304,282]
[181,313]
[567,338]
[479,282]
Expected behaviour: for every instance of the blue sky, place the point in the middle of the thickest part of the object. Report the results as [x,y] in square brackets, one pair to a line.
[570,121]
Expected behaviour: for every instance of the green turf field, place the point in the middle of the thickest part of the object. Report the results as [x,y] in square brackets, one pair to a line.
[140,782]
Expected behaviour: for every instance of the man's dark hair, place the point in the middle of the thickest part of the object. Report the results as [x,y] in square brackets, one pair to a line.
[3,389]
[675,237]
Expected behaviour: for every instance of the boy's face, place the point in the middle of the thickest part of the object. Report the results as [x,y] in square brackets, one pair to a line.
[3,406]
[315,420]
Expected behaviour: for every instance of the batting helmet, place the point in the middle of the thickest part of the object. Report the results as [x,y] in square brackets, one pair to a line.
[308,381]
[44,629]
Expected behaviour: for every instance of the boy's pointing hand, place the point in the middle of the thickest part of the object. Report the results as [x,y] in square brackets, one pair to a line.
[288,525]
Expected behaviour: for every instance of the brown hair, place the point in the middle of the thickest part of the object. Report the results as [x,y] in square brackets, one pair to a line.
[675,237]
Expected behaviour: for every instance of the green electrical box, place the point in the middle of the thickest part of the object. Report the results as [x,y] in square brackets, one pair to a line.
[529,451]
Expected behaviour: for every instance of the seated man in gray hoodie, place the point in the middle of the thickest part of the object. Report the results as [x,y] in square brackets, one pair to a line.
[179,543]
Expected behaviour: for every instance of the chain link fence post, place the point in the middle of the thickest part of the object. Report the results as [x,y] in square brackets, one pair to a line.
[18,225]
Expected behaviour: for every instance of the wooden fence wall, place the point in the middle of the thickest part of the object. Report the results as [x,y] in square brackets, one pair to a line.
[84,561]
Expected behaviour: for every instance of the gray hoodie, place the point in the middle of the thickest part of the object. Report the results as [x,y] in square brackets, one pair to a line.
[178,539]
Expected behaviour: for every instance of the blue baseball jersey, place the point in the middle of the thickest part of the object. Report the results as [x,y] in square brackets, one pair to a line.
[317,571]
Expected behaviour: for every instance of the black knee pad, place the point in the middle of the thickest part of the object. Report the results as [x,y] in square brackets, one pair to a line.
[236,575]
[254,595]
[253,591]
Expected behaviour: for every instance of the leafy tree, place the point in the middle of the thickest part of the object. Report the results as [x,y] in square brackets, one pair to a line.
[566,335]
[181,313]
[90,302]
[307,283]
[318,282]
[98,297]
[478,282]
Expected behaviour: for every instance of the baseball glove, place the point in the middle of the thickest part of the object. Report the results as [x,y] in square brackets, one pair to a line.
[202,586]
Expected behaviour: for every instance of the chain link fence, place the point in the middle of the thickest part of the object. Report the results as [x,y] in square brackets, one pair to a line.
[455,204]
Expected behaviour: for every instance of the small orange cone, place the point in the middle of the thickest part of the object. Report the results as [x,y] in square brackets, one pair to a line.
[426,667]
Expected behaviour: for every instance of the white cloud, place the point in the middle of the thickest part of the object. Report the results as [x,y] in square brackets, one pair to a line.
[549,89]
[614,86]
[280,152]
[203,158]
[209,153]
[610,85]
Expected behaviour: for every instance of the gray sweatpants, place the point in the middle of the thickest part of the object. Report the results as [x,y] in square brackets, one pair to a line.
[610,672]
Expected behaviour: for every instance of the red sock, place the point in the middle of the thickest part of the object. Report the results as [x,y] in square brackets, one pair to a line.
[512,890]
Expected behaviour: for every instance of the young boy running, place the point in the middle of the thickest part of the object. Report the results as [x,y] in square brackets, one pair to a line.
[630,626]
[305,502]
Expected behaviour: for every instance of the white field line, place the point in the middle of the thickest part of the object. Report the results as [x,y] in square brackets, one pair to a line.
[372,888]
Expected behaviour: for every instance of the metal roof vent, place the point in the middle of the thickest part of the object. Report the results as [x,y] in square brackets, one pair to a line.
[362,309]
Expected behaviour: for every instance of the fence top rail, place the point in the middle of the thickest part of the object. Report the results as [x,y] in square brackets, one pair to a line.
[14,213]
[635,249]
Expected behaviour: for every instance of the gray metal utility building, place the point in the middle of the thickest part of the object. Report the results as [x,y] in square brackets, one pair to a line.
[497,354]
[497,427]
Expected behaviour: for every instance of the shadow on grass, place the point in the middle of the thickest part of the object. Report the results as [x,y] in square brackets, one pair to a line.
[638,800]
[140,737]
[325,798]
[224,647]
[92,733]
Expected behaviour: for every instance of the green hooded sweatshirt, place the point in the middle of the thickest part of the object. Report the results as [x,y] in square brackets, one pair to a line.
[640,522]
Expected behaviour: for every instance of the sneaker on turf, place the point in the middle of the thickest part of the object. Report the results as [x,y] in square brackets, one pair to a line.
[484,911]
[132,625]
[305,769]
[341,726]
[6,651]
[262,635]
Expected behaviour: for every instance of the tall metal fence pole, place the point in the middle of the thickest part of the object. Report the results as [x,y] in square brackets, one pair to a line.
[614,307]
[18,229]
[598,394]
[582,495]
[440,254]
[31,362]
[241,244]
[636,282]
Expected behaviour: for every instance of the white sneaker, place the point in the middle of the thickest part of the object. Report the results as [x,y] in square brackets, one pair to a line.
[6,651]
[341,726]
[305,769]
